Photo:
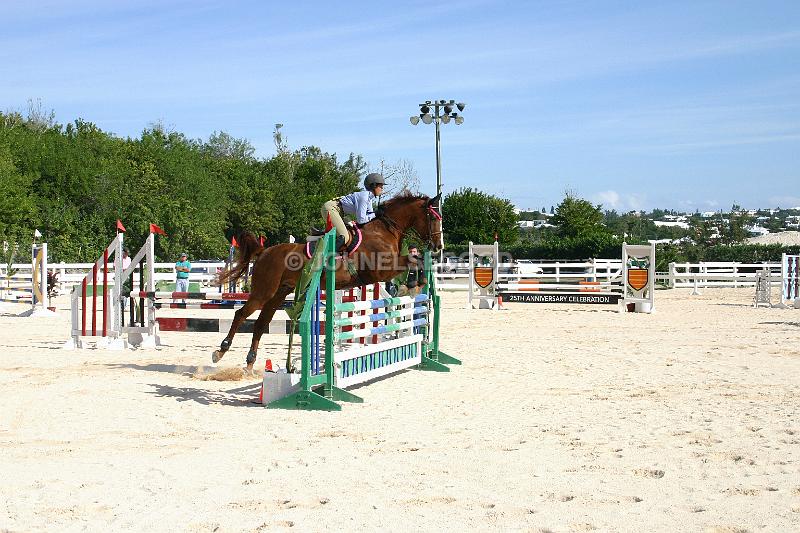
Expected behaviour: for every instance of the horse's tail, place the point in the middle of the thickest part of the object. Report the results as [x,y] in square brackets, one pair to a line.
[249,249]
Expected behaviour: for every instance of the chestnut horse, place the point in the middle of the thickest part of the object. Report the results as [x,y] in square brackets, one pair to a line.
[377,259]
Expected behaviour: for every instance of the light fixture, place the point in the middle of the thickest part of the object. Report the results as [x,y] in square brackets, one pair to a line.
[439,112]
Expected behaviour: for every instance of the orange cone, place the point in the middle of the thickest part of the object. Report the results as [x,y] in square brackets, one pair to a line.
[267,368]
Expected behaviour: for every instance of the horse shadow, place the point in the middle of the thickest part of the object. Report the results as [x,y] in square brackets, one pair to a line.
[239,396]
[185,370]
[245,396]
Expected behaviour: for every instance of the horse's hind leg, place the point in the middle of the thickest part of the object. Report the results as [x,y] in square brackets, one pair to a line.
[240,316]
[267,312]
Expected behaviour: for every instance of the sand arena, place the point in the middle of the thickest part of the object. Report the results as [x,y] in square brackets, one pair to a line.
[562,418]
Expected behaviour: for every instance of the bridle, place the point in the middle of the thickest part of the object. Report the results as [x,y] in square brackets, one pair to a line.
[434,214]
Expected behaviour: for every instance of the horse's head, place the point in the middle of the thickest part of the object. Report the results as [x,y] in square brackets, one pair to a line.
[418,213]
[433,211]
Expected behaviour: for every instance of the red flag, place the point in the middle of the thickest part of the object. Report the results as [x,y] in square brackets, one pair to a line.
[234,243]
[156,229]
[120,227]
[261,240]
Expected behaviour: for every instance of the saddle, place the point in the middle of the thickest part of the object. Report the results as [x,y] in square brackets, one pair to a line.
[356,238]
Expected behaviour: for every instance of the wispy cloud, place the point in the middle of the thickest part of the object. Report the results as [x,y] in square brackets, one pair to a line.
[629,201]
[785,201]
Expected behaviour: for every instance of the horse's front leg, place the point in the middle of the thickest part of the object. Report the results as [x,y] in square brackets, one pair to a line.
[264,318]
[239,317]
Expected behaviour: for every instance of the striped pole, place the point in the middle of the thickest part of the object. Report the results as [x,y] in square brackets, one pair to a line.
[364,296]
[236,296]
[376,293]
[83,307]
[375,317]
[105,289]
[382,302]
[387,328]
[220,325]
[94,299]
[171,305]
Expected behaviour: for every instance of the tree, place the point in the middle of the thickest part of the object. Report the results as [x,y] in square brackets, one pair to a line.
[703,231]
[400,176]
[578,218]
[221,145]
[281,144]
[17,201]
[472,215]
[735,231]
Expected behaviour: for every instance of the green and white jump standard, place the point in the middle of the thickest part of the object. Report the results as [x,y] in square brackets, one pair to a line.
[406,329]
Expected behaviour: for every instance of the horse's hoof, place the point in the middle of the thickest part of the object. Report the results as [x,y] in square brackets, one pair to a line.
[216,356]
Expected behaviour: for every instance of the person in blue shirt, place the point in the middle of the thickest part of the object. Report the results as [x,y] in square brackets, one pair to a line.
[182,269]
[357,204]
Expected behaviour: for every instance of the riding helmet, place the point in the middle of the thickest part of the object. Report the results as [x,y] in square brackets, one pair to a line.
[372,180]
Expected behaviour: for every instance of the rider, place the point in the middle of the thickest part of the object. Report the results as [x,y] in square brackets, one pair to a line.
[358,204]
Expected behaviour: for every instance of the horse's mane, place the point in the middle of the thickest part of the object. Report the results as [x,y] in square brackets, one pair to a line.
[397,203]
[402,199]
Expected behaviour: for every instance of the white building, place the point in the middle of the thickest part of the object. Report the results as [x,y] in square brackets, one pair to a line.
[534,224]
[665,224]
[757,231]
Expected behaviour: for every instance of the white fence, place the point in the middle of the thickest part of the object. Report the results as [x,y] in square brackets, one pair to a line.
[71,274]
[455,277]
[717,274]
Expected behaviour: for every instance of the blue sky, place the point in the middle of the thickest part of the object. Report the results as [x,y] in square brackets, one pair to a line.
[635,105]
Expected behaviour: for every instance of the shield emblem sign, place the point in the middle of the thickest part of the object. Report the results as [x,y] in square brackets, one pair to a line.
[637,278]
[483,276]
